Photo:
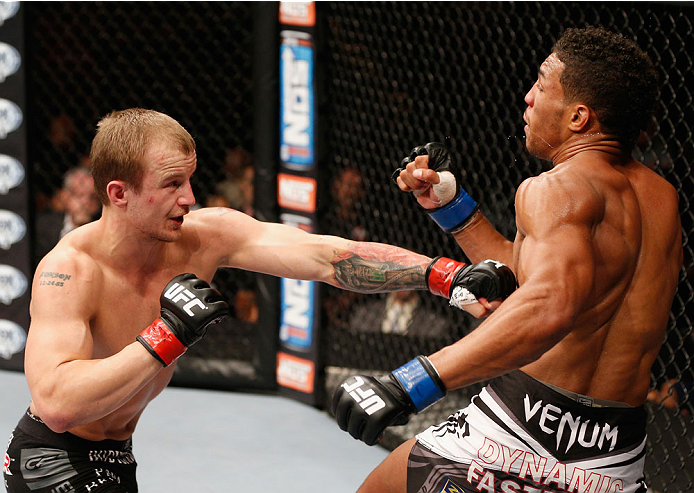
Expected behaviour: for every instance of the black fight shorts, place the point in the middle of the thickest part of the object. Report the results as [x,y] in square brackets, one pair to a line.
[522,435]
[39,460]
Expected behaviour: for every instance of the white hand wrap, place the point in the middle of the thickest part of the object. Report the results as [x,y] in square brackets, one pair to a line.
[444,190]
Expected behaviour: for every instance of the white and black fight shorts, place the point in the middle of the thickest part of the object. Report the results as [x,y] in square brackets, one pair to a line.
[521,435]
[38,460]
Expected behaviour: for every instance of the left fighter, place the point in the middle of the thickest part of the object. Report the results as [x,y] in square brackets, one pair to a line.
[111,310]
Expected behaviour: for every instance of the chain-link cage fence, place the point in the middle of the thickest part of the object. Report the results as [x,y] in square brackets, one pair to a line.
[390,76]
[395,75]
[192,61]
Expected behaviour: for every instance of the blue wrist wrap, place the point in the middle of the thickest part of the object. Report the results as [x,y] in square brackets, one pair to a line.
[456,212]
[420,387]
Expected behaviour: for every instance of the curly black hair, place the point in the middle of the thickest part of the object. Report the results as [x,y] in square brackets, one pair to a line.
[613,76]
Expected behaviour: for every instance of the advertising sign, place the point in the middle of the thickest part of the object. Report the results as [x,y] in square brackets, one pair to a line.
[15,251]
[296,100]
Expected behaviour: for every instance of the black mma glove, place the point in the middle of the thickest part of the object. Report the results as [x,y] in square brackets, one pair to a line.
[365,406]
[454,215]
[488,279]
[188,306]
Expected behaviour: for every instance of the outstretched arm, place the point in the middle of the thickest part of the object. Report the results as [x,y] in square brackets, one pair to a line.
[363,267]
[286,251]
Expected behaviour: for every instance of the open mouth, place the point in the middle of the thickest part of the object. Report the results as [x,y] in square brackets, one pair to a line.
[178,220]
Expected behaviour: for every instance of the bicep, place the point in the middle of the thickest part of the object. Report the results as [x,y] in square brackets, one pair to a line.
[273,248]
[60,314]
[556,252]
[289,252]
[561,264]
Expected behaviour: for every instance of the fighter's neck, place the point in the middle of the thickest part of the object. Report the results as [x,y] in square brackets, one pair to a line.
[126,249]
[607,147]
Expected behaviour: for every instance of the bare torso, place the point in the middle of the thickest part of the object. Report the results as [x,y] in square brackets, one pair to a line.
[100,287]
[123,302]
[636,241]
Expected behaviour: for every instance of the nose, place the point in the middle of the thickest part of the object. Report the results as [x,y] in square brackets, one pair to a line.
[187,198]
[529,97]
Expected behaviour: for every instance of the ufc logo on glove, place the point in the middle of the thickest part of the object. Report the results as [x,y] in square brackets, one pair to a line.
[178,327]
[177,293]
[369,401]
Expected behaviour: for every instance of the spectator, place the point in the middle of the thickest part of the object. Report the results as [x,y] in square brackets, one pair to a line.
[216,200]
[237,187]
[348,191]
[76,204]
[674,394]
[400,312]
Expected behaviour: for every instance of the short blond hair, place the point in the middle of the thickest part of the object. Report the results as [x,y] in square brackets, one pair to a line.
[121,140]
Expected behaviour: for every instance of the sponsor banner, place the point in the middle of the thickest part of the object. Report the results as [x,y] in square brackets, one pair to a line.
[297,316]
[298,13]
[295,373]
[297,188]
[296,192]
[13,284]
[297,112]
[8,10]
[12,339]
[298,328]
[12,229]
[10,61]
[11,173]
[11,117]
[15,251]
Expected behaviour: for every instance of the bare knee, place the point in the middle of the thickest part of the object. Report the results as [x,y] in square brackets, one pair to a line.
[390,476]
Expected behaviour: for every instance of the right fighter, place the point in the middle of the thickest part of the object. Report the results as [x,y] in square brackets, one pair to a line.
[597,255]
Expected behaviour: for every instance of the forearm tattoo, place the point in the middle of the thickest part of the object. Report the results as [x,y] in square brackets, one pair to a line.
[53,279]
[372,268]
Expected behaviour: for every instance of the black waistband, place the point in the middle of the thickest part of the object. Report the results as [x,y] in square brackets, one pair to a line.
[34,427]
[520,384]
[572,428]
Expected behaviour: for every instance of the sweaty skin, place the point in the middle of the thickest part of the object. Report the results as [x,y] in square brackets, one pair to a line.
[595,251]
[597,255]
[598,246]
[100,287]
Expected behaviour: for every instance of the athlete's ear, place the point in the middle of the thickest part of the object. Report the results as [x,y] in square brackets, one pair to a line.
[116,193]
[580,118]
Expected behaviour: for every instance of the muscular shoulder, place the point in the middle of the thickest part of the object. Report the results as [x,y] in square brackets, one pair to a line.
[212,217]
[555,197]
[67,275]
[70,261]
[216,231]
[218,222]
